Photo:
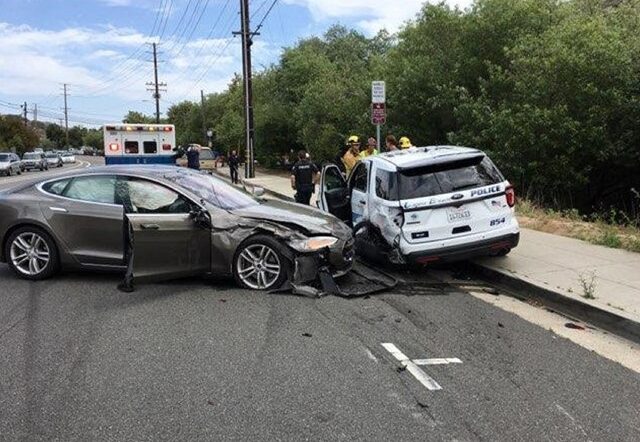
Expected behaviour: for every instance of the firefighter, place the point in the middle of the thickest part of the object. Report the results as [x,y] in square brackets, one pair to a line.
[351,157]
[405,143]
[371,148]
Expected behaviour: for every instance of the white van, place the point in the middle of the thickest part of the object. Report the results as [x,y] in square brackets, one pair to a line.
[425,205]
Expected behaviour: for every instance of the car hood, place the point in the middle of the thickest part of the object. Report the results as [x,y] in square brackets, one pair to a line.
[306,218]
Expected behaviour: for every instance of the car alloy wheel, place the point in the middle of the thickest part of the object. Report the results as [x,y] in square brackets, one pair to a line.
[258,266]
[30,254]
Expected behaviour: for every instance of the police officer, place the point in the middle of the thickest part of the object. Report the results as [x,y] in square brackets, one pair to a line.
[193,157]
[304,175]
[233,162]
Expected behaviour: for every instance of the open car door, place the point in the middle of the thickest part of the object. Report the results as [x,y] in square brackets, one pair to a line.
[334,193]
[168,235]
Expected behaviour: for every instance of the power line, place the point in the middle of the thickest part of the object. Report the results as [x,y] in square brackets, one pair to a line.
[265,15]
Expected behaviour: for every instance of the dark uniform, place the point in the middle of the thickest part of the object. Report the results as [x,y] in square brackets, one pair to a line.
[233,162]
[193,159]
[304,171]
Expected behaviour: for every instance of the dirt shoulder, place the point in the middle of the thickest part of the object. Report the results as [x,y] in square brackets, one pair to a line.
[571,225]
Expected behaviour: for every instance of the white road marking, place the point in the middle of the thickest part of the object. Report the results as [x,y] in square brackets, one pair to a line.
[437,361]
[371,355]
[412,368]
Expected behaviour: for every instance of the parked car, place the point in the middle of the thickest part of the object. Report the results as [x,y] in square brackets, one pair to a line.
[424,205]
[54,159]
[68,158]
[207,159]
[183,223]
[35,160]
[10,164]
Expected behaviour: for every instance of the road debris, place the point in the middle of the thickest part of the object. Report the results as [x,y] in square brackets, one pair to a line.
[574,326]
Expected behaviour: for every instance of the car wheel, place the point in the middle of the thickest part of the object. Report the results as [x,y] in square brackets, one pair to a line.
[32,254]
[259,264]
[503,252]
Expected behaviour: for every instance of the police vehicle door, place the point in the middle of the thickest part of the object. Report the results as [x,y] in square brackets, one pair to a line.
[359,185]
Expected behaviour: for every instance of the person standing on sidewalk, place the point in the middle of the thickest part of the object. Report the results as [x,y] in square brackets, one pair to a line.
[304,175]
[193,157]
[234,163]
[371,148]
[392,143]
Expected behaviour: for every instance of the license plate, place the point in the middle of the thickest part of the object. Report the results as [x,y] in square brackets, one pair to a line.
[456,215]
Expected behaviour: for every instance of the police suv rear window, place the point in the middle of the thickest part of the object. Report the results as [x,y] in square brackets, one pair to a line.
[447,177]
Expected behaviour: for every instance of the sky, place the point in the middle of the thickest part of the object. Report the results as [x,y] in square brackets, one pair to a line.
[101,48]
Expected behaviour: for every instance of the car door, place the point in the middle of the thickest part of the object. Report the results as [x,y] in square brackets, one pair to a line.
[167,241]
[334,193]
[359,184]
[85,216]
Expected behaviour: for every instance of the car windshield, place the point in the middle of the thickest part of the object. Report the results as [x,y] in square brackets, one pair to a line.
[206,154]
[4,157]
[51,155]
[67,154]
[31,156]
[212,190]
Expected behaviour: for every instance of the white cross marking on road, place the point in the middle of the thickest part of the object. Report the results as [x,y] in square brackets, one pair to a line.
[415,370]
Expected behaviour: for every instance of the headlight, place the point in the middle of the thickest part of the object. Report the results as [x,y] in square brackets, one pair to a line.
[314,243]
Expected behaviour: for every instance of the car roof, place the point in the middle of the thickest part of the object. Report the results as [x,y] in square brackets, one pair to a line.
[424,156]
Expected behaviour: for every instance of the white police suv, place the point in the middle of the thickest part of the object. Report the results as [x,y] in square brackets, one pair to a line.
[424,205]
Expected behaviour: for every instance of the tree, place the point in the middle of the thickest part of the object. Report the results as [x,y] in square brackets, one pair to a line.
[133,117]
[15,135]
[94,138]
[56,134]
[76,135]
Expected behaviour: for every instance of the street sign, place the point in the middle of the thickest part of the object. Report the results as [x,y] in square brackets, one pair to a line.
[378,93]
[378,113]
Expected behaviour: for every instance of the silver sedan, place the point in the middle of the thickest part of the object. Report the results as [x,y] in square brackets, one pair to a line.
[159,222]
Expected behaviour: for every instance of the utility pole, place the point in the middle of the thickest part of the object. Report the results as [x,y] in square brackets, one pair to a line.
[35,112]
[247,36]
[66,116]
[24,113]
[155,86]
[204,124]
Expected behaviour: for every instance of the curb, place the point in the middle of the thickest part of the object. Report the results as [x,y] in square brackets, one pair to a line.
[601,318]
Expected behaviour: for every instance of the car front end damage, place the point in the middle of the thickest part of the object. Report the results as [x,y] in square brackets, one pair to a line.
[314,257]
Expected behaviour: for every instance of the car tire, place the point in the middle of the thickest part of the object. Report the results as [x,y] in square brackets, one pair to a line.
[34,242]
[503,252]
[256,262]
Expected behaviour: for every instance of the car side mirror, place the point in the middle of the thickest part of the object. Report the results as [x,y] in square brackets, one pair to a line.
[201,218]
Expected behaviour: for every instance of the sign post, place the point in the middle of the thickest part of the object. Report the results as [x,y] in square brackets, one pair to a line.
[378,107]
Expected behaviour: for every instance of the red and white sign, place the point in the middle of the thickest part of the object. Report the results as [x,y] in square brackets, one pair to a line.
[378,113]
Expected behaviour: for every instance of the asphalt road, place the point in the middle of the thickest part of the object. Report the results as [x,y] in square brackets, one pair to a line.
[203,360]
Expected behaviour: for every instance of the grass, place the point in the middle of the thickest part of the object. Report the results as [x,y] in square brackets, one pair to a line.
[599,230]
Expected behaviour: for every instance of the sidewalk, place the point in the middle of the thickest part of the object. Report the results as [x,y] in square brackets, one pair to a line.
[551,266]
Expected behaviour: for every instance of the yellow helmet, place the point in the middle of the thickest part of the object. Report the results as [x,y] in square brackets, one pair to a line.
[405,143]
[353,139]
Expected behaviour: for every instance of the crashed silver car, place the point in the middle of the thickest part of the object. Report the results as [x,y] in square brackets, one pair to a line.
[162,222]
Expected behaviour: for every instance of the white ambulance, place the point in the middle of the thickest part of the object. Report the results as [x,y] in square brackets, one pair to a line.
[139,143]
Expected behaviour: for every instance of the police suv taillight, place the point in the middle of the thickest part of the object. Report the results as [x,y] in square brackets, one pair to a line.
[511,196]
